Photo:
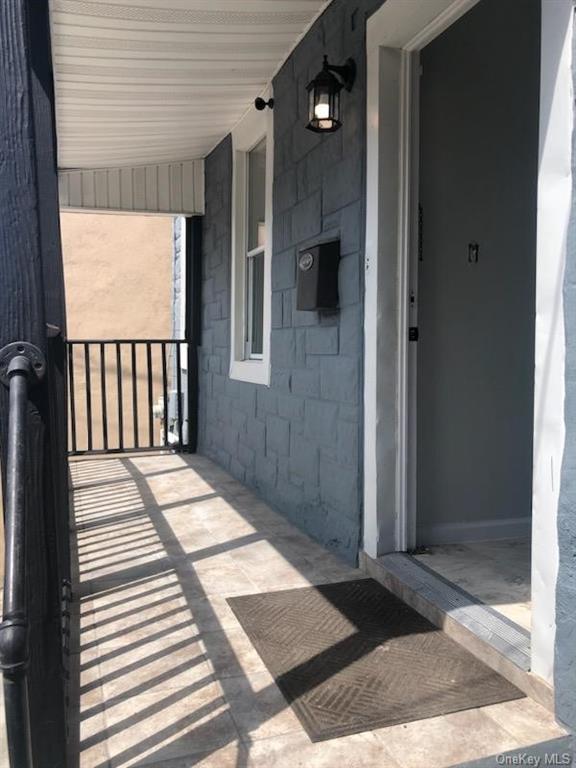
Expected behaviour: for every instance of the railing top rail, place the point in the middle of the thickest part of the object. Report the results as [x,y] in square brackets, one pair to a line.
[127,341]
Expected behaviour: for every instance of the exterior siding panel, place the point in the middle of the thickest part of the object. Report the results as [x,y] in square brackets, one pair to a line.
[167,188]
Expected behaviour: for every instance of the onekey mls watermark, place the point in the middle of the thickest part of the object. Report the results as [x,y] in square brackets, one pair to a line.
[535,761]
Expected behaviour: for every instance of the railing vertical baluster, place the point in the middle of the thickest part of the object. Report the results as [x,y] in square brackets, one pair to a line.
[150,395]
[165,393]
[179,395]
[88,395]
[120,401]
[72,396]
[103,396]
[135,396]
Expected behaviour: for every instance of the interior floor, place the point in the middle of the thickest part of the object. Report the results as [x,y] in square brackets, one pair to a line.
[496,572]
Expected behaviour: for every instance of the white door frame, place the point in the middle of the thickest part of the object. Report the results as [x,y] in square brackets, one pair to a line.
[395,34]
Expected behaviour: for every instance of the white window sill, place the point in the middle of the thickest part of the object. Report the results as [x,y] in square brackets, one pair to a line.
[251,371]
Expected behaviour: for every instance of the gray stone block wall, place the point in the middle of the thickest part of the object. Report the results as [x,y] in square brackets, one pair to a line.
[178,329]
[298,441]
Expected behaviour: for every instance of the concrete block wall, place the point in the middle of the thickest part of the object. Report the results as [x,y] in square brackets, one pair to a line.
[297,442]
[177,287]
[178,329]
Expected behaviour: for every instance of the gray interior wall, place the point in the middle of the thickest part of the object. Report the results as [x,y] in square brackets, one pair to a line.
[479,134]
[298,441]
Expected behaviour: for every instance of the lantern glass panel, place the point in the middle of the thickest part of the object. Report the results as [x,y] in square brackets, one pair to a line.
[322,107]
[311,103]
[257,196]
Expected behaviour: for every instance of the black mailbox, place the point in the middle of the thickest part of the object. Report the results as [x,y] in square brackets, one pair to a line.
[317,283]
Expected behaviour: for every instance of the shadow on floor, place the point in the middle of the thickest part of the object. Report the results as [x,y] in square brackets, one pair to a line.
[161,667]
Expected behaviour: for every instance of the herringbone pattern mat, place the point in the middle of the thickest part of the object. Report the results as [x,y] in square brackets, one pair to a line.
[351,657]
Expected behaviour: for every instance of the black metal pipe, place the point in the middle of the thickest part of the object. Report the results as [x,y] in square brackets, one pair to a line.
[135,397]
[150,396]
[103,396]
[72,394]
[88,395]
[120,396]
[14,627]
[179,394]
[165,393]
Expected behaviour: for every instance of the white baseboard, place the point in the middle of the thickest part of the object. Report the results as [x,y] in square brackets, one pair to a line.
[452,533]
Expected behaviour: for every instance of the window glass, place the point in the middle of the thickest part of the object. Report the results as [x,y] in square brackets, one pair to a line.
[257,303]
[257,196]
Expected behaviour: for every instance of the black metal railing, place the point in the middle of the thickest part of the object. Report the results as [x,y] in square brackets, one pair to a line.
[131,395]
[21,366]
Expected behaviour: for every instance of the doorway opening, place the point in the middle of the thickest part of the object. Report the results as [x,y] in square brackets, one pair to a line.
[395,37]
[473,293]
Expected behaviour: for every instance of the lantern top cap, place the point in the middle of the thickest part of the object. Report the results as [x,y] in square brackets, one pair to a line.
[325,79]
[331,74]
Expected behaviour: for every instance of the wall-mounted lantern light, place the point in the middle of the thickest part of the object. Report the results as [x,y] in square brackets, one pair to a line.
[260,104]
[324,95]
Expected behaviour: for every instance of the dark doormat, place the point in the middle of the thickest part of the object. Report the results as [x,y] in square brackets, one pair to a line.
[351,657]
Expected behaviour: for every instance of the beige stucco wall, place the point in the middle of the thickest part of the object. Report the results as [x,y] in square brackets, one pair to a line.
[118,277]
[118,274]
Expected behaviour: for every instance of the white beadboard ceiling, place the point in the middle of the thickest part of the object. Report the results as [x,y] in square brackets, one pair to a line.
[160,81]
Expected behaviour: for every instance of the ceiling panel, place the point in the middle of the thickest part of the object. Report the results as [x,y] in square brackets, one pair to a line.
[147,81]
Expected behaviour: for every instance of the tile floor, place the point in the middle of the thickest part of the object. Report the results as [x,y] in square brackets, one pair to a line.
[496,572]
[165,674]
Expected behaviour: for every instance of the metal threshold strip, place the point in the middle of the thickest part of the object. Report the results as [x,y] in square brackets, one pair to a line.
[488,634]
[510,639]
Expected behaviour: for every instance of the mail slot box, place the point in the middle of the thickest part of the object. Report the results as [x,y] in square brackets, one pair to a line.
[317,281]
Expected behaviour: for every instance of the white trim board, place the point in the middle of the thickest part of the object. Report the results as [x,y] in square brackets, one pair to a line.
[255,126]
[553,218]
[395,34]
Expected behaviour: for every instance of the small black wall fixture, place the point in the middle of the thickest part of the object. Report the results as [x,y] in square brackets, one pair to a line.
[324,114]
[260,104]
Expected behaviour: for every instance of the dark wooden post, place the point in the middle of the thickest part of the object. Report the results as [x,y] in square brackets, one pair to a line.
[193,330]
[32,310]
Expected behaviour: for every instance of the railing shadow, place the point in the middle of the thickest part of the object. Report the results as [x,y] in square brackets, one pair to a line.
[180,709]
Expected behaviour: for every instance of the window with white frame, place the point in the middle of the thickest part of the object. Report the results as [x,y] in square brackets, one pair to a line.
[251,248]
[255,248]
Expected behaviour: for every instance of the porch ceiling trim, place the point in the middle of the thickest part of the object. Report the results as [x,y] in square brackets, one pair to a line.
[161,81]
[164,188]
